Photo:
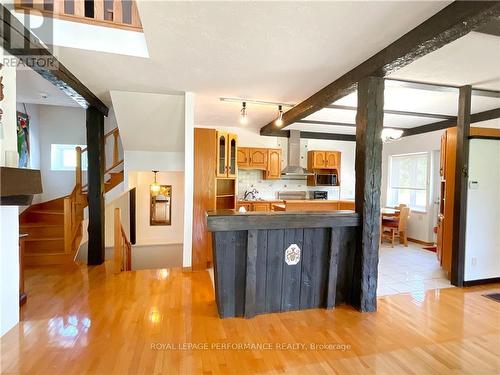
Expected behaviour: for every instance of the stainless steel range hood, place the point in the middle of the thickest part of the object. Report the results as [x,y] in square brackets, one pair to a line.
[293,170]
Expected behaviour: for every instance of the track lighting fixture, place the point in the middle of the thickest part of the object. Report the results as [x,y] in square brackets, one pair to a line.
[243,114]
[279,120]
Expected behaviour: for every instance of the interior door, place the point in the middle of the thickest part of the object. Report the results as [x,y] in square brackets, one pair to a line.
[222,146]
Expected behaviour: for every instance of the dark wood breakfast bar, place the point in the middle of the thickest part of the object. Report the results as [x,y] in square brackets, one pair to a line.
[281,261]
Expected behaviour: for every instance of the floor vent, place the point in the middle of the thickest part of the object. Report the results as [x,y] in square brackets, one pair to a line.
[493,296]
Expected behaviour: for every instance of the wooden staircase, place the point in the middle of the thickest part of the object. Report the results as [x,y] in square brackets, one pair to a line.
[54,228]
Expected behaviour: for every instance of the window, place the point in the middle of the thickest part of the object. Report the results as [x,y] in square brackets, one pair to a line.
[408,180]
[63,157]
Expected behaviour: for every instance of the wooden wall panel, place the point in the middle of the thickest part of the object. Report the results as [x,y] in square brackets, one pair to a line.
[203,195]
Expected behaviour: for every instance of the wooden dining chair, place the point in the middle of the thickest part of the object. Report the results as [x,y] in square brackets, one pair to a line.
[396,228]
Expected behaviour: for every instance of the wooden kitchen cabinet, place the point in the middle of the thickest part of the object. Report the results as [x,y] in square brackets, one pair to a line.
[332,159]
[243,157]
[273,170]
[261,206]
[227,146]
[317,159]
[323,160]
[258,158]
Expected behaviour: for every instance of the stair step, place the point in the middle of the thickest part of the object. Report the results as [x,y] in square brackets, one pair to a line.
[41,230]
[44,245]
[44,259]
[48,212]
[43,217]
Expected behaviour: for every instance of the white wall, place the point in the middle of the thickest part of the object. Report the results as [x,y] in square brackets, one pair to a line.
[59,125]
[159,234]
[482,237]
[9,222]
[248,137]
[420,223]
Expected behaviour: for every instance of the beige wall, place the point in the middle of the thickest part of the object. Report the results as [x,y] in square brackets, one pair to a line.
[147,234]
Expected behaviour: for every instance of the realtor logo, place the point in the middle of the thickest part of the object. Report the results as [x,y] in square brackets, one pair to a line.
[292,255]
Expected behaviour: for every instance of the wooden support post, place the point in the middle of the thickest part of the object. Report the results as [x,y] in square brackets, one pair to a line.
[368,166]
[68,225]
[461,177]
[118,253]
[115,147]
[78,170]
[132,222]
[96,162]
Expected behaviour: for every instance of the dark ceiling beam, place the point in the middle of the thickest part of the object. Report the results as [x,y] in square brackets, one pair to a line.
[328,136]
[394,112]
[491,28]
[331,123]
[439,87]
[449,24]
[12,31]
[440,125]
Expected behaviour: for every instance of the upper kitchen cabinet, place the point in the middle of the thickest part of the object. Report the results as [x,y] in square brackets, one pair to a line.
[252,158]
[332,159]
[258,158]
[317,159]
[243,157]
[273,170]
[323,159]
[227,148]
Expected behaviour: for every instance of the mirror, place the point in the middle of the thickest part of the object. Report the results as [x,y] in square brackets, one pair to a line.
[161,206]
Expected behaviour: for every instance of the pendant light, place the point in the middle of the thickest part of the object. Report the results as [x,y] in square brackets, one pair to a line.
[243,114]
[155,186]
[279,120]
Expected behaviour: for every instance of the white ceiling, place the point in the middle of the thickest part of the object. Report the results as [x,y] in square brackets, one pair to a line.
[30,86]
[150,122]
[473,59]
[281,52]
[273,51]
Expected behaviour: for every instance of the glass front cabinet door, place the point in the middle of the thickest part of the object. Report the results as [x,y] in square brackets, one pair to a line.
[221,154]
[227,148]
[231,155]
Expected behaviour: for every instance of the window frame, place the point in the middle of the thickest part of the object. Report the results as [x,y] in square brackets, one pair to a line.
[413,190]
[58,165]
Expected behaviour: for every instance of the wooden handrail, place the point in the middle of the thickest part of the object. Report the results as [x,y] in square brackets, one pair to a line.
[115,163]
[73,218]
[74,10]
[122,247]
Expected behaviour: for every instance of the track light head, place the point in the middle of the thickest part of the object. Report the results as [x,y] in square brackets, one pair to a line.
[243,114]
[279,120]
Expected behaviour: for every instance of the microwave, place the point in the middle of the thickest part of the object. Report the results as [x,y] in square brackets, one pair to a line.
[327,179]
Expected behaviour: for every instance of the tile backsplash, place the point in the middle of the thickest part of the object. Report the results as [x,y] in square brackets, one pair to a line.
[268,189]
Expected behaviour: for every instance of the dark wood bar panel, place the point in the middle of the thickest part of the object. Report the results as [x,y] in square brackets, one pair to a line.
[271,268]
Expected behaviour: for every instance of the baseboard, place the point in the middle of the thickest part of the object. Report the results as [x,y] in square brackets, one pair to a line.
[420,242]
[492,280]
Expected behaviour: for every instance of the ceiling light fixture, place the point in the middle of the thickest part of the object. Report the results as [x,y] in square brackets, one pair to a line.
[243,114]
[155,186]
[279,120]
[257,102]
[390,134]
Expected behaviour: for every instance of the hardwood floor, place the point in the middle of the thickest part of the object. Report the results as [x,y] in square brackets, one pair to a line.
[88,320]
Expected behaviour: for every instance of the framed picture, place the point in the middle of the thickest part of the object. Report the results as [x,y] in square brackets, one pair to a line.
[160,212]
[23,139]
